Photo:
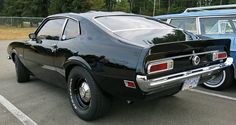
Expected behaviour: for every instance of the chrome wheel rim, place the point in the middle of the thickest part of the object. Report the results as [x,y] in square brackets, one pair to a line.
[216,80]
[81,93]
[84,92]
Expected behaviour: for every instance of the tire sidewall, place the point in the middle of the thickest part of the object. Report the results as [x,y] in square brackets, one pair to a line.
[224,83]
[74,75]
[220,83]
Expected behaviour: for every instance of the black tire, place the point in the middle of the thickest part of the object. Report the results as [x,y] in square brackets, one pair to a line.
[99,103]
[22,73]
[221,81]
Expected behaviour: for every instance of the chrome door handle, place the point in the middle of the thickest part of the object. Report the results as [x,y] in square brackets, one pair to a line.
[54,48]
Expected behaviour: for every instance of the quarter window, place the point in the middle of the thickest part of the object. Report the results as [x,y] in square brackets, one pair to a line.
[188,24]
[51,30]
[71,30]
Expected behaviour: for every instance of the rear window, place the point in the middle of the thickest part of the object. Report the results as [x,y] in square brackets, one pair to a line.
[188,24]
[123,23]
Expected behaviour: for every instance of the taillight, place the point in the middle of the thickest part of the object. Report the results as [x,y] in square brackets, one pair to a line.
[160,66]
[219,56]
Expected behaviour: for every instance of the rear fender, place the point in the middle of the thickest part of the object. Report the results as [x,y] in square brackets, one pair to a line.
[234,71]
[75,61]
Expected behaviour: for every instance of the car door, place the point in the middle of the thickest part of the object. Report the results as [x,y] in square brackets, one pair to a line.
[39,53]
[67,47]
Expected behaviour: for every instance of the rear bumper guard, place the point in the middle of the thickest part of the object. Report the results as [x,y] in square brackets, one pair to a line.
[148,85]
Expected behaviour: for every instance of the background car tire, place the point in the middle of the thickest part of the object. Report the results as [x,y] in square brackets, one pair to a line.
[22,73]
[99,103]
[222,81]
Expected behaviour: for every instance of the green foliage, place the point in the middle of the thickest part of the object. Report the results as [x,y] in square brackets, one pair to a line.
[1,5]
[98,5]
[61,6]
[43,8]
[122,6]
[25,8]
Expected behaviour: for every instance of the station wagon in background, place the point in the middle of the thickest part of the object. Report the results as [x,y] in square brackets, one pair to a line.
[218,22]
[100,55]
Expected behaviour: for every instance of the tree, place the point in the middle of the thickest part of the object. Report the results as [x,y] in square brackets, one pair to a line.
[61,6]
[1,6]
[122,6]
[98,5]
[43,8]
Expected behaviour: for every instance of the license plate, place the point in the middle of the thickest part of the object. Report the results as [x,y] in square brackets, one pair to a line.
[191,83]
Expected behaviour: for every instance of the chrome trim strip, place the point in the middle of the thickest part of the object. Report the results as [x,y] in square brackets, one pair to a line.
[182,56]
[210,7]
[199,31]
[63,28]
[148,85]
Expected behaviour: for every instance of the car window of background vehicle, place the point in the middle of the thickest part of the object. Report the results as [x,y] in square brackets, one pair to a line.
[216,25]
[188,24]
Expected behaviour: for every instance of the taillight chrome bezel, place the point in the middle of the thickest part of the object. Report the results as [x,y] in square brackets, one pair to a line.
[170,66]
[216,54]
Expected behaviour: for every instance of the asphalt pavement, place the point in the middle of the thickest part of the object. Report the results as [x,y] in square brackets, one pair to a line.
[46,104]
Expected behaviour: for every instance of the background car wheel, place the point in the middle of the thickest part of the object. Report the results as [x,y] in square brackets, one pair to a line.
[221,80]
[87,100]
[22,73]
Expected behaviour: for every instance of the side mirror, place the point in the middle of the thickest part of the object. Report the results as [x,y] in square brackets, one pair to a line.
[32,36]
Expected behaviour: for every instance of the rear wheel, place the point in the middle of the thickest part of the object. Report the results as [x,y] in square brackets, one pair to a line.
[22,73]
[87,100]
[220,81]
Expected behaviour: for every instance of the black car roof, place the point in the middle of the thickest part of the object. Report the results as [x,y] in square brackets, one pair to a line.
[91,14]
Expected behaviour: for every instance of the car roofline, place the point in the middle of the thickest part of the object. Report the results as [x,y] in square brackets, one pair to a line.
[206,13]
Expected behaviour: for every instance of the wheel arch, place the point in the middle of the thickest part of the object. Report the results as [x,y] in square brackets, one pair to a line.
[13,53]
[73,62]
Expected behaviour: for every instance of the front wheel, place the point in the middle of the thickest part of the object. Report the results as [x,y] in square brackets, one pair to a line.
[22,73]
[221,80]
[86,98]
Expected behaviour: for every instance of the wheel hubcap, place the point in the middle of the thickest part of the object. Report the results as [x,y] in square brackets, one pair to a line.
[84,92]
[216,80]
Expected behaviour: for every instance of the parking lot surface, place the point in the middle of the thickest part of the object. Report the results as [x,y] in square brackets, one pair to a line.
[46,104]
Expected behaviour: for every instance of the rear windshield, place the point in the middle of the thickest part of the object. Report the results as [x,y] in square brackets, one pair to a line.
[124,23]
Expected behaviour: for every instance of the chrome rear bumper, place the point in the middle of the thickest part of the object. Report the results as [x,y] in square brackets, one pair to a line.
[148,85]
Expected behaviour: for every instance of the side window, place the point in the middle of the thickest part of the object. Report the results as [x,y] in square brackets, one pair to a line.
[51,30]
[71,30]
[221,25]
[188,24]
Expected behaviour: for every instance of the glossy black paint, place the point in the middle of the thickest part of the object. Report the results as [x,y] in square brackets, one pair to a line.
[110,57]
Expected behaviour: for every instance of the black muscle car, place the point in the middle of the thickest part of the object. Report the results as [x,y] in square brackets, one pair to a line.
[99,55]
